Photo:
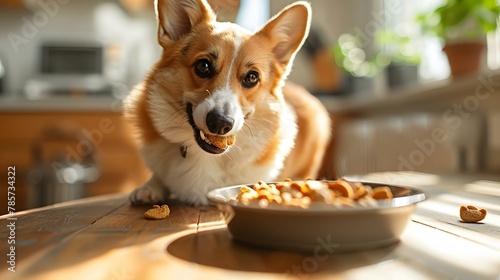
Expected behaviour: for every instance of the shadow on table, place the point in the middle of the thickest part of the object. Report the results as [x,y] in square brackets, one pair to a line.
[217,248]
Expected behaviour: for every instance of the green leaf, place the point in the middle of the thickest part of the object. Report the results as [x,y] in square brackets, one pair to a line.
[454,13]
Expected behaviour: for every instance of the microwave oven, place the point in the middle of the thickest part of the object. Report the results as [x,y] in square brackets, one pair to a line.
[69,70]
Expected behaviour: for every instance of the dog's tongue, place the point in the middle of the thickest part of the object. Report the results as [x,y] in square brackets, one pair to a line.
[221,142]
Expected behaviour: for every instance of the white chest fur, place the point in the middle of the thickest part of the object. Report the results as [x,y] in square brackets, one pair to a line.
[190,178]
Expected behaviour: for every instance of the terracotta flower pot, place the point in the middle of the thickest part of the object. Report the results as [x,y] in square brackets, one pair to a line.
[464,58]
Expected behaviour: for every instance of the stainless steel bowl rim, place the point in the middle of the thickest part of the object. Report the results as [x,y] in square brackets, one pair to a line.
[219,196]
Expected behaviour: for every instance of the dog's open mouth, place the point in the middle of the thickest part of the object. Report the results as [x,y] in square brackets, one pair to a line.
[214,144]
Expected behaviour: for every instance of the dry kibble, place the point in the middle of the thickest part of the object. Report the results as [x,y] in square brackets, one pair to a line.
[342,188]
[245,189]
[367,201]
[263,203]
[382,193]
[265,194]
[470,214]
[346,201]
[361,191]
[157,212]
[287,197]
[278,199]
[297,194]
[222,142]
[301,186]
[338,193]
[305,201]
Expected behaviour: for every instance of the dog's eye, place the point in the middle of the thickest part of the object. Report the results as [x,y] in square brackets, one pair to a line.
[203,68]
[251,79]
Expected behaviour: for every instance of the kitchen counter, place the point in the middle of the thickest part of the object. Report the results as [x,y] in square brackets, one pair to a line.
[423,97]
[106,238]
[60,104]
[481,90]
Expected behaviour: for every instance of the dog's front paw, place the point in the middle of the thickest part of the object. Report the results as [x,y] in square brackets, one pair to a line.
[152,192]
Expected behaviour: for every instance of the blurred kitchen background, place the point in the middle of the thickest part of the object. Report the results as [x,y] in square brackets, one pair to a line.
[411,86]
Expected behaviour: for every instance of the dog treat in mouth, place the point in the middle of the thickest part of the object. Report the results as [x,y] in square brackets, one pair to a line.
[303,193]
[157,212]
[221,142]
[470,214]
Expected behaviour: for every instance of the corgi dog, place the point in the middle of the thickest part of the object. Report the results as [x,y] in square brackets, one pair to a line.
[215,111]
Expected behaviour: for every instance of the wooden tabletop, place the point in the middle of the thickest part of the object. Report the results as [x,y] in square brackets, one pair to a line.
[106,238]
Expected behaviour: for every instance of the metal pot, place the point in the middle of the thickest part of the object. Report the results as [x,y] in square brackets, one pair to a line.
[62,178]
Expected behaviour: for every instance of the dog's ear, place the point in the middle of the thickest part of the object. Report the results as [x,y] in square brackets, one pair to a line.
[177,17]
[287,31]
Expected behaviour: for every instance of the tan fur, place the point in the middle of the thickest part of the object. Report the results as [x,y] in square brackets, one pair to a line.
[306,158]
[137,114]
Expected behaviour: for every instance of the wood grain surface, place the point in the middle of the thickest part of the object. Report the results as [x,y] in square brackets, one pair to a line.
[106,238]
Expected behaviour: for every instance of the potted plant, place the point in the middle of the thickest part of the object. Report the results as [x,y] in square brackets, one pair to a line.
[403,56]
[462,26]
[359,68]
[395,53]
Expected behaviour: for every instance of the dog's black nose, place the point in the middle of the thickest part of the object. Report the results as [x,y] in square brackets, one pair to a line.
[218,123]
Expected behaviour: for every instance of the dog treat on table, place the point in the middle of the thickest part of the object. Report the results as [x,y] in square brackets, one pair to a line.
[302,193]
[157,212]
[471,214]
